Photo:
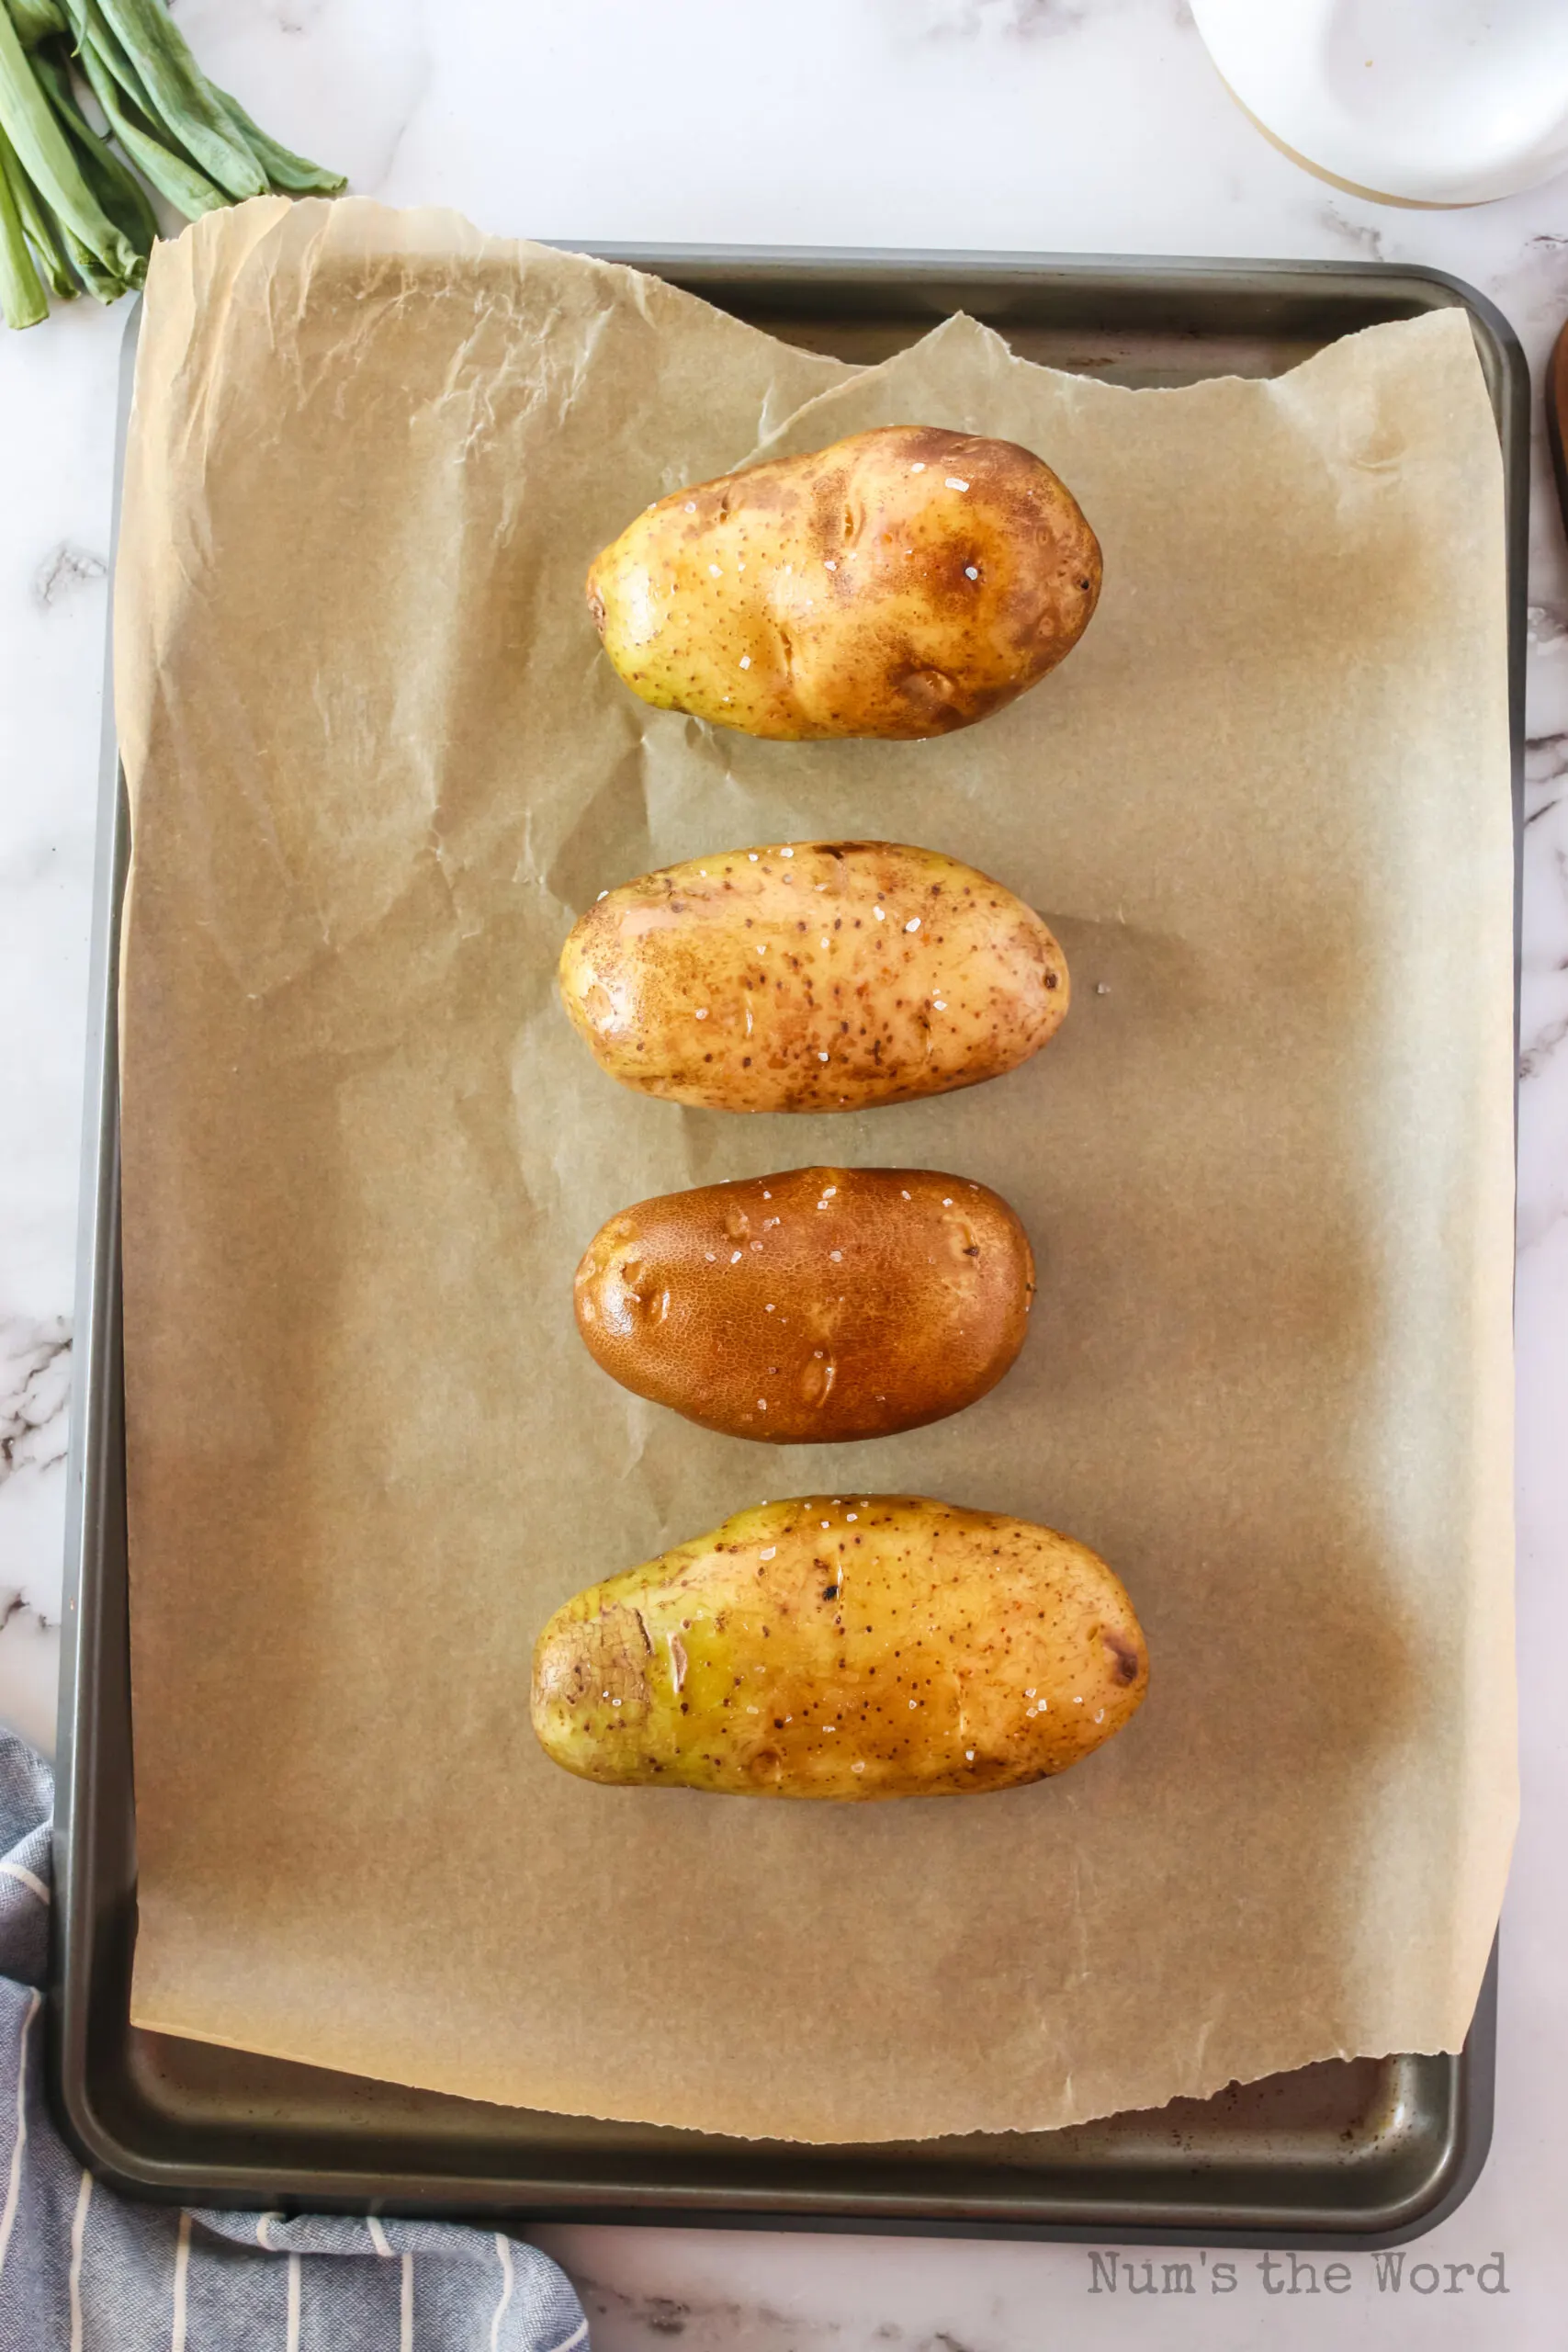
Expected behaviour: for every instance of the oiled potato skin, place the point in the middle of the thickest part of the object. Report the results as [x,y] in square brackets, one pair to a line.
[855,1646]
[812,1306]
[812,976]
[902,582]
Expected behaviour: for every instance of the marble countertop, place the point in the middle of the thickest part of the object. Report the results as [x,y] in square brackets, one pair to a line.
[1047,125]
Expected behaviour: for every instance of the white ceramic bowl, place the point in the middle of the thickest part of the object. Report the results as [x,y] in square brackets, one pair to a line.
[1429,101]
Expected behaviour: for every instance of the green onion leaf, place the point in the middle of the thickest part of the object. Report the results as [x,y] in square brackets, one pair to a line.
[23,301]
[287,171]
[185,109]
[42,231]
[45,154]
[189,190]
[119,191]
[88,29]
[36,20]
[101,284]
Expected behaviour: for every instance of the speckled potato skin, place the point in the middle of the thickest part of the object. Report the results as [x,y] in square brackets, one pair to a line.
[854,1648]
[813,1307]
[815,976]
[903,582]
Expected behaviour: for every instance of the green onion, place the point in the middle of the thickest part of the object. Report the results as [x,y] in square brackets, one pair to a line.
[119,190]
[189,190]
[36,21]
[22,298]
[45,155]
[101,284]
[42,233]
[287,171]
[73,211]
[182,98]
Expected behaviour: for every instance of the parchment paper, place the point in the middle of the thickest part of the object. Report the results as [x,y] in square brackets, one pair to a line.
[379,764]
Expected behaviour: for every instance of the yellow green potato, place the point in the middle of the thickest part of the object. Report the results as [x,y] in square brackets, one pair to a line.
[852,1647]
[903,582]
[815,976]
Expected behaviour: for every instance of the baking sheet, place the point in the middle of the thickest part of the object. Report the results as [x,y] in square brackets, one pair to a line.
[376,769]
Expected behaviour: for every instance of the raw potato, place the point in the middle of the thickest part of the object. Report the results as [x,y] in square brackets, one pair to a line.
[813,1307]
[902,582]
[863,1646]
[818,976]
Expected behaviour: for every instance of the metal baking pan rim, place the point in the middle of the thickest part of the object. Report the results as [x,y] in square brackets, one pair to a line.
[1088,2220]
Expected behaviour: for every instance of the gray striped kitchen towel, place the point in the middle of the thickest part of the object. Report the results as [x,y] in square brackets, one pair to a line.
[82,2270]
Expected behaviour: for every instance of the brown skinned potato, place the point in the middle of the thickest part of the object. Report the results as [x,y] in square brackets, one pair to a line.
[816,976]
[805,1308]
[860,1646]
[903,582]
